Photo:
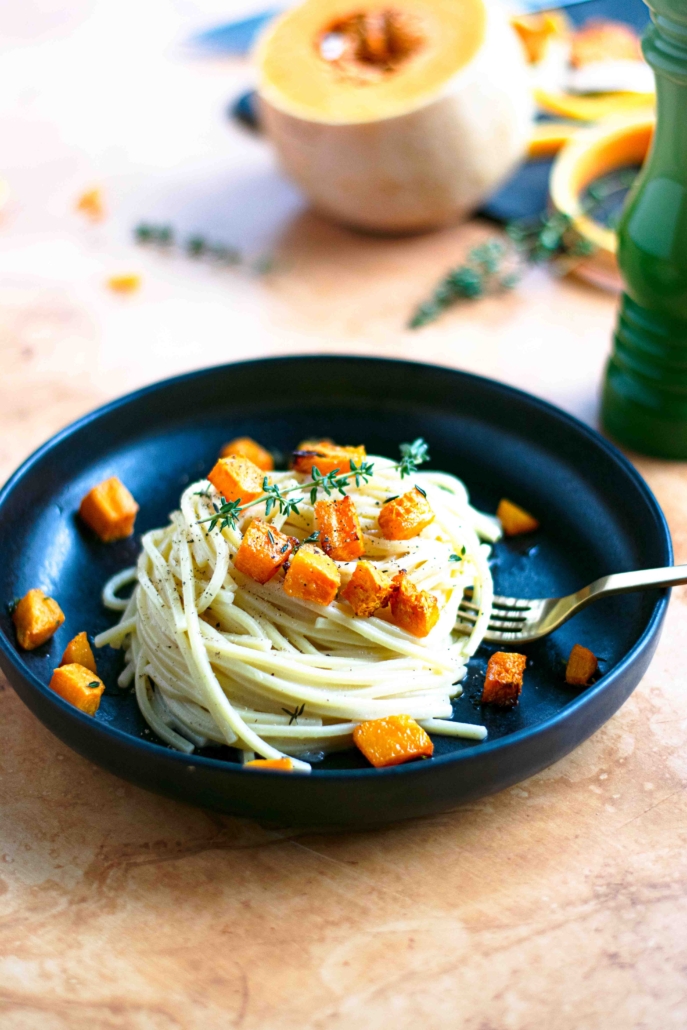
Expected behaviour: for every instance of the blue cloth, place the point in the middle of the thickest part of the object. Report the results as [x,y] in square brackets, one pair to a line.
[238,37]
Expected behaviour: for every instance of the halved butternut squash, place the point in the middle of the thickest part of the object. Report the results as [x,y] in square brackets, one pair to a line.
[395,116]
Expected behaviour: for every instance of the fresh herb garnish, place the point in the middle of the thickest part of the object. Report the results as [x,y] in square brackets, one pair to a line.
[457,557]
[271,537]
[95,683]
[412,455]
[227,512]
[294,715]
[312,539]
[420,490]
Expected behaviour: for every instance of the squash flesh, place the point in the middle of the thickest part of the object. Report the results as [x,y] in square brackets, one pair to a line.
[237,479]
[79,686]
[109,510]
[36,618]
[246,447]
[367,590]
[415,611]
[340,534]
[392,741]
[79,652]
[503,682]
[295,76]
[263,551]
[312,576]
[405,516]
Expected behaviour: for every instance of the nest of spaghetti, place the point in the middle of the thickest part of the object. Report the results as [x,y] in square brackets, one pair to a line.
[279,623]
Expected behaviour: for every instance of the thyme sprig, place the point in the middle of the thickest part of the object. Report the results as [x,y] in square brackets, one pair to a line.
[498,265]
[550,238]
[227,513]
[196,246]
[294,715]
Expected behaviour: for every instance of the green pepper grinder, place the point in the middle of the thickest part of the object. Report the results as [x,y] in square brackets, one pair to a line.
[645,396]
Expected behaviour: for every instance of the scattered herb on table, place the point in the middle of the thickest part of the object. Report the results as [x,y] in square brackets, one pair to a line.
[498,264]
[197,246]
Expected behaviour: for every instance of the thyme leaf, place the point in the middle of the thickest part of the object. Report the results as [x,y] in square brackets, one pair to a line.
[294,715]
[227,513]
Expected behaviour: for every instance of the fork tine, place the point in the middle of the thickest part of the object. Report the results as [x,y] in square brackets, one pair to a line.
[471,612]
[499,623]
[498,601]
[512,603]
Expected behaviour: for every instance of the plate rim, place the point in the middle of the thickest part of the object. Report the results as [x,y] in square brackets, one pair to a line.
[11,655]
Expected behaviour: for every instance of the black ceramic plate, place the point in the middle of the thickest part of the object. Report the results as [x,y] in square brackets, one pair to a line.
[597,516]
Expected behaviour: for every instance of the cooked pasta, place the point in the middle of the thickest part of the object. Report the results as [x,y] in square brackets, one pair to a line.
[217,657]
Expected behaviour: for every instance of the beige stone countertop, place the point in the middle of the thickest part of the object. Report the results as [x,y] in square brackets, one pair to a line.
[556,905]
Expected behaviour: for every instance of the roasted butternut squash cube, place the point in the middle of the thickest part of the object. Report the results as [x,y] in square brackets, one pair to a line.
[503,682]
[392,741]
[582,666]
[109,510]
[36,617]
[312,576]
[263,551]
[245,447]
[237,479]
[79,652]
[326,456]
[277,764]
[78,685]
[415,611]
[405,516]
[514,519]
[340,534]
[367,590]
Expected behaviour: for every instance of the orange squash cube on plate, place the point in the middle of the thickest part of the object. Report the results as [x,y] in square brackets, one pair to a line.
[367,590]
[340,534]
[263,551]
[415,611]
[405,516]
[393,740]
[582,666]
[514,519]
[503,682]
[237,479]
[326,457]
[246,447]
[79,652]
[78,685]
[278,764]
[312,576]
[109,510]
[36,618]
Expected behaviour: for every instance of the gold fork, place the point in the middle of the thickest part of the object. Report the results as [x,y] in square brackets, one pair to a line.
[516,620]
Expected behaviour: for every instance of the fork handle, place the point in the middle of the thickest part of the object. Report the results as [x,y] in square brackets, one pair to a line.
[623,582]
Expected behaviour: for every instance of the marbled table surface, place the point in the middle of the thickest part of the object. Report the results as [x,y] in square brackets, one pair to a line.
[557,905]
